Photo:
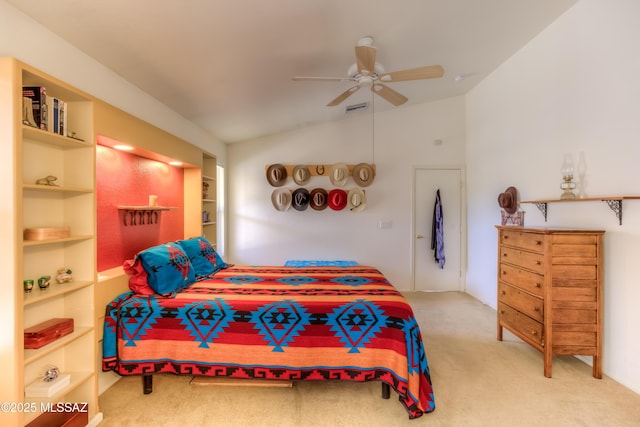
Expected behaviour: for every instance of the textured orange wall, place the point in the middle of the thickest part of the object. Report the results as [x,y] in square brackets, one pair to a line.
[124,179]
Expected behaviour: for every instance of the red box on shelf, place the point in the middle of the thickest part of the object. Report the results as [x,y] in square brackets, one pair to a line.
[46,332]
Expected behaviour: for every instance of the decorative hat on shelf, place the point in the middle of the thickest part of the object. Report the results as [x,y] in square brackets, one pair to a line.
[277,175]
[509,200]
[301,174]
[337,199]
[318,199]
[356,200]
[281,199]
[338,174]
[300,199]
[363,174]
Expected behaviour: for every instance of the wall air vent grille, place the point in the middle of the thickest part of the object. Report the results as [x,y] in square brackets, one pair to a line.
[356,107]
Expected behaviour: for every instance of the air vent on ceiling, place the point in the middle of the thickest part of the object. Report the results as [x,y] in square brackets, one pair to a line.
[356,107]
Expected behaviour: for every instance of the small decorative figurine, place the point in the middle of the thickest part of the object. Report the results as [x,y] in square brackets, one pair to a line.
[205,190]
[51,374]
[48,180]
[44,282]
[64,275]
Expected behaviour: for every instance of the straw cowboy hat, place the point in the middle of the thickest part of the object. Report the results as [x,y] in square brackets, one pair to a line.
[318,199]
[509,200]
[277,175]
[301,174]
[281,199]
[300,199]
[338,174]
[356,200]
[363,174]
[337,199]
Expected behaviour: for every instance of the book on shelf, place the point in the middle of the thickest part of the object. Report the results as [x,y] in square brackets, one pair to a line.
[62,127]
[38,96]
[56,111]
[42,388]
[52,113]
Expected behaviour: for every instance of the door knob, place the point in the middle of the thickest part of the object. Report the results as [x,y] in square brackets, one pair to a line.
[419,236]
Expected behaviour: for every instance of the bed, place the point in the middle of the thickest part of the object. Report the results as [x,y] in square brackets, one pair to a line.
[320,322]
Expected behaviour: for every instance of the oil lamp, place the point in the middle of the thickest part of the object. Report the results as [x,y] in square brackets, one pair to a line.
[567,178]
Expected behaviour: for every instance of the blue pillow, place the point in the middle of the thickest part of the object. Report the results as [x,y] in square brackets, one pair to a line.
[203,256]
[168,267]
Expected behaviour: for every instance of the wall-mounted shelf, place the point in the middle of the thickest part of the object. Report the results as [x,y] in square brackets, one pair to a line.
[614,202]
[140,215]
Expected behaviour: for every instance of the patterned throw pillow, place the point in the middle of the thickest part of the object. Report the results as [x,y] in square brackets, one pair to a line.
[204,258]
[139,279]
[168,268]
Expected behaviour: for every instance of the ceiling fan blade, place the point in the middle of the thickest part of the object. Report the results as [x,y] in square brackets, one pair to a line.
[389,94]
[428,72]
[366,59]
[344,95]
[328,79]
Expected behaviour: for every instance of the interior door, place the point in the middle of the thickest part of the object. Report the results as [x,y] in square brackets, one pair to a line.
[428,276]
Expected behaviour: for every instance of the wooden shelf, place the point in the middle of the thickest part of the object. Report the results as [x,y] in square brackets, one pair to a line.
[145,208]
[614,202]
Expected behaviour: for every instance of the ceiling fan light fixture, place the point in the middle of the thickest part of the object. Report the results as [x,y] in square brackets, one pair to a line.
[365,81]
[369,73]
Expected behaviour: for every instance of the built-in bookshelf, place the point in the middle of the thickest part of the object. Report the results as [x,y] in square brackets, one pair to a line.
[209,198]
[67,201]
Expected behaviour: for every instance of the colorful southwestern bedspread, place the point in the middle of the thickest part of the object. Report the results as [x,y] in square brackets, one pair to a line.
[302,323]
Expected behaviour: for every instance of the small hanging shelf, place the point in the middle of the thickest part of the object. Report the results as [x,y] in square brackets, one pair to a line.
[614,202]
[141,215]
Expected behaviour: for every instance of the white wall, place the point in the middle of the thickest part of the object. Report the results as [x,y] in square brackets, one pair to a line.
[574,88]
[258,234]
[23,38]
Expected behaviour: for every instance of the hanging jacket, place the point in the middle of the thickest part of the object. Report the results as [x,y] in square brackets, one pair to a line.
[437,232]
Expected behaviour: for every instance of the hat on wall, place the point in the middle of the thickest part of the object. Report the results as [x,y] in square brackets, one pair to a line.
[281,199]
[337,199]
[338,174]
[363,174]
[356,200]
[277,175]
[301,174]
[509,200]
[300,199]
[318,199]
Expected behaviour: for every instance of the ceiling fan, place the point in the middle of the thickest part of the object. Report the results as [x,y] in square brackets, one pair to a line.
[366,72]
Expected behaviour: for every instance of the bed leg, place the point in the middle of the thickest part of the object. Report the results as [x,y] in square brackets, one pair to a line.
[147,383]
[386,391]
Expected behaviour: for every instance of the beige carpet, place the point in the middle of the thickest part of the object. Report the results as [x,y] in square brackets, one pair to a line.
[478,381]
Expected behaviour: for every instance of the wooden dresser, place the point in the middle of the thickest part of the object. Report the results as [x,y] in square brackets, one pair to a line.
[550,290]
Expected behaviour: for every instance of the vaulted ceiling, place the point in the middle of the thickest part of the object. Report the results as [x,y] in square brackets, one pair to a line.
[227,65]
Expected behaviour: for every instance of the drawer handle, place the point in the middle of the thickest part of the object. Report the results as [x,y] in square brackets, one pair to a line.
[538,242]
[533,332]
[504,255]
[501,311]
[538,285]
[505,237]
[538,263]
[504,273]
[536,309]
[503,292]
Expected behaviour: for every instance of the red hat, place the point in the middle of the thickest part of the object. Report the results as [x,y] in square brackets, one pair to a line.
[337,199]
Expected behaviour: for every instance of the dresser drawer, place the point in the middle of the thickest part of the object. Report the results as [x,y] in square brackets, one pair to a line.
[529,241]
[520,323]
[531,282]
[522,301]
[529,260]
